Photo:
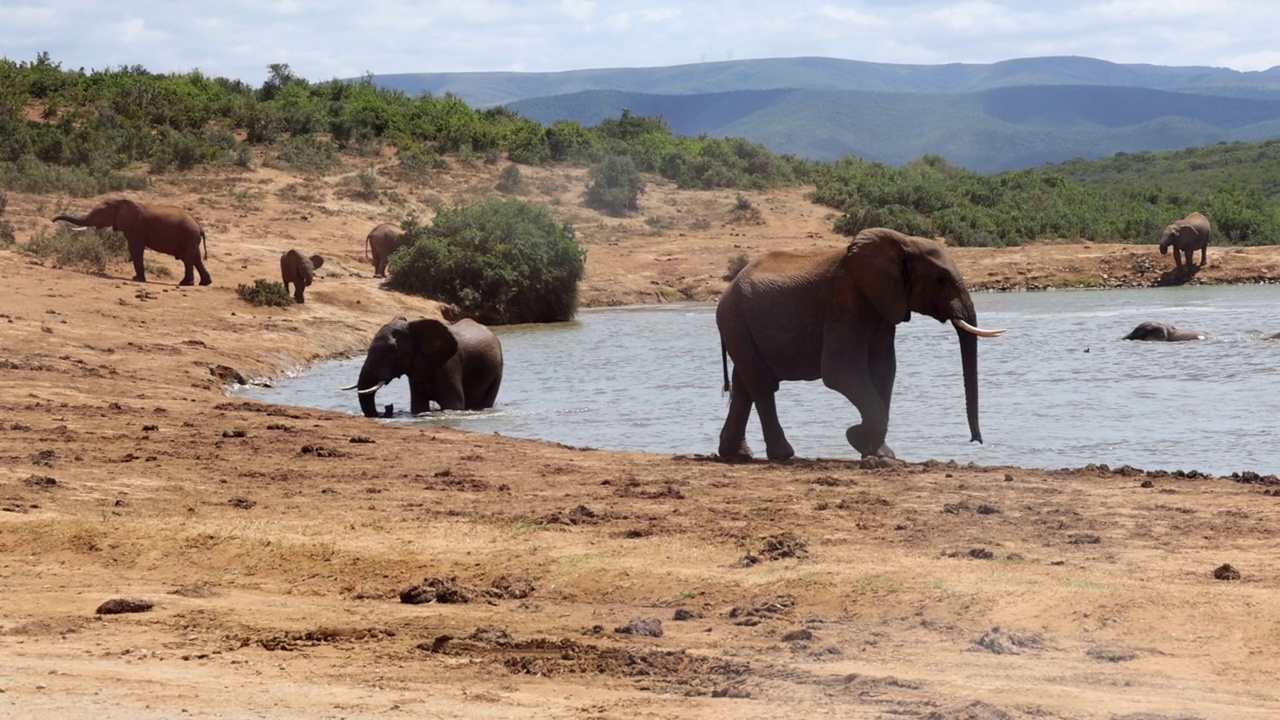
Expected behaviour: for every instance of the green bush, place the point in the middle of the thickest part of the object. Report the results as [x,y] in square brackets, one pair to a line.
[7,237]
[90,250]
[615,186]
[307,155]
[264,292]
[504,261]
[510,182]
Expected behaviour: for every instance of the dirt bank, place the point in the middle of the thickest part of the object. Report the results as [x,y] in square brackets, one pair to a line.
[274,545]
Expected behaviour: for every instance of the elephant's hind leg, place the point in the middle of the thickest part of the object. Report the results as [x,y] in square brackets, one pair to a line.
[733,436]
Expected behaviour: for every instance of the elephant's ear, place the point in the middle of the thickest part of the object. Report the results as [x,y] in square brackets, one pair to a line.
[316,262]
[127,213]
[876,261]
[433,340]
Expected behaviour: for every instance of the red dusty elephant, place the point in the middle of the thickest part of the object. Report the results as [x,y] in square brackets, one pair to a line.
[163,228]
[382,241]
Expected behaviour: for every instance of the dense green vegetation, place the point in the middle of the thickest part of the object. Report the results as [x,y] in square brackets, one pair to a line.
[930,197]
[87,133]
[503,261]
[97,125]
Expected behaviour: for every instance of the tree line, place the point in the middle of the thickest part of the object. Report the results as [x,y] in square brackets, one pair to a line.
[86,132]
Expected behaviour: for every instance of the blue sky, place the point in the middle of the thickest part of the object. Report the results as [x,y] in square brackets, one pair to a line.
[323,40]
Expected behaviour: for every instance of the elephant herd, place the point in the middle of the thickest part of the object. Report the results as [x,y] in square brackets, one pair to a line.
[785,316]
[173,231]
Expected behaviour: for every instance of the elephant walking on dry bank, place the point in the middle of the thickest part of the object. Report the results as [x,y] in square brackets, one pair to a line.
[1161,332]
[1185,236]
[833,315]
[382,241]
[163,228]
[298,269]
[458,365]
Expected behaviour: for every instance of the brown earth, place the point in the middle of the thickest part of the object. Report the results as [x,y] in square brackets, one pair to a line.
[273,545]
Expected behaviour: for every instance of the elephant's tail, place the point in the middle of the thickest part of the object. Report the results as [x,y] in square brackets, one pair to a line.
[205,242]
[724,360]
[366,245]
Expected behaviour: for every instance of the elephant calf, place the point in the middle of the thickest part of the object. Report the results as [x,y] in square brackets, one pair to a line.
[298,269]
[1160,332]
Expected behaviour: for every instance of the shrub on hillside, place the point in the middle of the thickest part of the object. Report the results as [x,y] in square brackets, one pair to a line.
[615,186]
[6,228]
[264,292]
[504,261]
[510,181]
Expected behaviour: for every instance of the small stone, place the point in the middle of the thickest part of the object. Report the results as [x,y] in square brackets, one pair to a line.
[116,606]
[651,627]
[1226,572]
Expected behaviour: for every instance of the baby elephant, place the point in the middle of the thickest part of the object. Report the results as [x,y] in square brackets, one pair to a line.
[298,269]
[1159,331]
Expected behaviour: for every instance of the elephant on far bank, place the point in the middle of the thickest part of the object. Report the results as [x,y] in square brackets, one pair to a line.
[1187,235]
[164,228]
[1161,332]
[382,241]
[457,365]
[298,269]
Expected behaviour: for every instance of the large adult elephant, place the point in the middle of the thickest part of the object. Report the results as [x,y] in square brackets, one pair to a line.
[458,365]
[833,315]
[1185,236]
[163,228]
[1161,332]
[382,241]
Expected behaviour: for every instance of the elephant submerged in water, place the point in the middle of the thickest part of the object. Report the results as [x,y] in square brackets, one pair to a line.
[456,365]
[1185,236]
[163,228]
[832,316]
[1161,332]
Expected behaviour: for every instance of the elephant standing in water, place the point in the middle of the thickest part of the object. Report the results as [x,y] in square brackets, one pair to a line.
[300,270]
[1187,235]
[163,228]
[833,315]
[1160,332]
[457,365]
[382,241]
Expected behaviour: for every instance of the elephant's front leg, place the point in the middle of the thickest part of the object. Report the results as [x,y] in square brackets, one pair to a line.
[136,246]
[854,379]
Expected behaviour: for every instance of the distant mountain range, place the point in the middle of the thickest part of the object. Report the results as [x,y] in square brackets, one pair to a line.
[987,118]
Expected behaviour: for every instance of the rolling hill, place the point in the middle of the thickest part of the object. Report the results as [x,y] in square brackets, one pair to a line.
[984,117]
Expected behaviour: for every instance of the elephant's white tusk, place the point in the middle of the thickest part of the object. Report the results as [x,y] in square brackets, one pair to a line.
[350,387]
[975,330]
[373,389]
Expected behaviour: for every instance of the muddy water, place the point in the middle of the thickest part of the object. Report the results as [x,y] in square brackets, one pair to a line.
[1060,389]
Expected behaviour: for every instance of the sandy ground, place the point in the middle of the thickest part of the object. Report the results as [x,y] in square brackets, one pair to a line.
[275,544]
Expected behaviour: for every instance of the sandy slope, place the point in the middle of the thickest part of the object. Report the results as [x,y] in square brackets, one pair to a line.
[274,541]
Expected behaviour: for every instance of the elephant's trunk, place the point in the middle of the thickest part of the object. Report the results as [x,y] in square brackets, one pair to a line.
[969,362]
[1165,242]
[80,220]
[368,400]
